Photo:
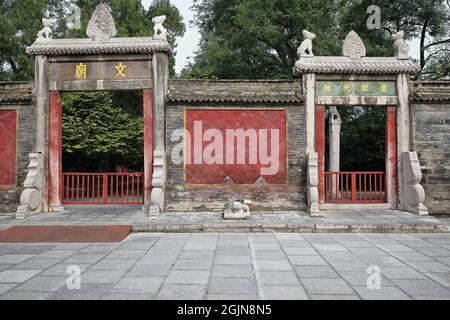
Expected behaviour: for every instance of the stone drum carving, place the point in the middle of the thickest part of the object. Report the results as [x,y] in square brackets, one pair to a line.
[46,33]
[353,47]
[414,193]
[305,49]
[400,46]
[160,33]
[101,27]
[237,210]
[30,200]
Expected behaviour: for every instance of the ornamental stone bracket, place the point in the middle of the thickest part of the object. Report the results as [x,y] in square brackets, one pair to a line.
[31,197]
[413,192]
[158,183]
[313,184]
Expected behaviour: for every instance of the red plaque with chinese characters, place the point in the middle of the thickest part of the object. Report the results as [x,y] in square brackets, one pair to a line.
[8,142]
[235,146]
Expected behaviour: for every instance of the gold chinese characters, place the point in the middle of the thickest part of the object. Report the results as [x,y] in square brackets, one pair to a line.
[81,71]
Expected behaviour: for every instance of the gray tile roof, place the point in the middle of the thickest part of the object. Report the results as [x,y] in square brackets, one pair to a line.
[55,47]
[346,65]
[235,91]
[431,91]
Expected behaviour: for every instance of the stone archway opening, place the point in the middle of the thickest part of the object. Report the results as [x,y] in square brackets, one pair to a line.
[102,148]
[355,154]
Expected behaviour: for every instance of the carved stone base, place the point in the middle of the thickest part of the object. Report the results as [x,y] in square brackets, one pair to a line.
[154,211]
[31,197]
[157,197]
[242,215]
[413,192]
[313,185]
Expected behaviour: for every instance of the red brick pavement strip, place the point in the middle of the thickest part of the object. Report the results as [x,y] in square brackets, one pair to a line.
[60,234]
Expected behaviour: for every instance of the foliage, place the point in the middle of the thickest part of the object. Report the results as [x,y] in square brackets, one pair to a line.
[98,135]
[428,21]
[259,38]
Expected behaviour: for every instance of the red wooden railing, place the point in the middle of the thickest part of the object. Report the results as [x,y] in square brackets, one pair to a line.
[355,187]
[102,188]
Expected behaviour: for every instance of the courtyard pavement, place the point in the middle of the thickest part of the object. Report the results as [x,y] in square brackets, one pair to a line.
[349,221]
[232,266]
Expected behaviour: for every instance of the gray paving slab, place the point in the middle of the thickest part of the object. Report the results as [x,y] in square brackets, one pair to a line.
[182,292]
[327,286]
[232,286]
[17,276]
[284,293]
[231,271]
[278,278]
[187,277]
[138,285]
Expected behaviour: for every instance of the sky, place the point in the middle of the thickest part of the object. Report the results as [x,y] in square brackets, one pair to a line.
[188,44]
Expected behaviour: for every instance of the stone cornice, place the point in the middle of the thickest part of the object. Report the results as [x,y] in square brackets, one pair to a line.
[57,47]
[431,91]
[234,91]
[346,65]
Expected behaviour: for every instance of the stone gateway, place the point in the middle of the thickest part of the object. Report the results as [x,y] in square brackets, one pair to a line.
[209,143]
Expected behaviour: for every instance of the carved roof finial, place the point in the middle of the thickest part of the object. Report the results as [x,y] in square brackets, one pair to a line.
[353,47]
[101,27]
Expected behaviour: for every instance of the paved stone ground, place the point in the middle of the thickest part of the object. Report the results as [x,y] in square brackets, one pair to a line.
[330,221]
[232,266]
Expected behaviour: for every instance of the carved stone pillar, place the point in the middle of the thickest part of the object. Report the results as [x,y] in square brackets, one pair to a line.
[42,120]
[160,88]
[334,155]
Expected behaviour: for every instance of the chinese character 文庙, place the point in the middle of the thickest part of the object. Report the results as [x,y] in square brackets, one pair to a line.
[81,71]
[120,68]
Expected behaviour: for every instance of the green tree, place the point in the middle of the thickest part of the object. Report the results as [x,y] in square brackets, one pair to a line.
[174,24]
[428,21]
[259,38]
[20,22]
[98,134]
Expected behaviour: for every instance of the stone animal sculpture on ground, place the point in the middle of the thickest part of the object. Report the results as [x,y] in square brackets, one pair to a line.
[237,210]
[306,48]
[46,33]
[159,32]
[400,46]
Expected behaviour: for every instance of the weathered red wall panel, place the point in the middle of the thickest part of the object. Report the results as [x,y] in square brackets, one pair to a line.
[8,145]
[265,125]
[320,148]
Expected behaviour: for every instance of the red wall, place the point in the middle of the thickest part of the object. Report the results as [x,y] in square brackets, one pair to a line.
[8,142]
[247,173]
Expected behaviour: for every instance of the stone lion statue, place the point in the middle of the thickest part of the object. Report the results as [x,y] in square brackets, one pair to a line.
[400,46]
[237,210]
[306,48]
[46,33]
[160,33]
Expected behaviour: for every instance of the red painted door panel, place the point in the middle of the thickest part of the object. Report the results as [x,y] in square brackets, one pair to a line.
[8,142]
[220,135]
